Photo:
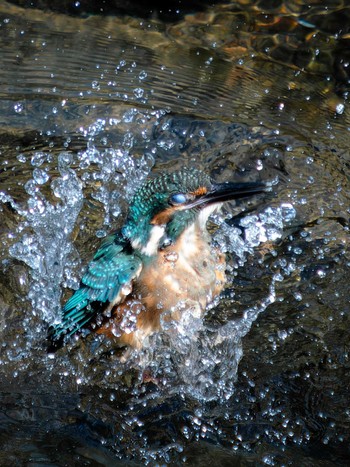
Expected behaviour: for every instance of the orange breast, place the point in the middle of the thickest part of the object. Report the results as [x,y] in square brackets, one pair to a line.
[189,273]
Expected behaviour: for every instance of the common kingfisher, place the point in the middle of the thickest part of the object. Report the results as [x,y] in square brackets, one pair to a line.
[159,263]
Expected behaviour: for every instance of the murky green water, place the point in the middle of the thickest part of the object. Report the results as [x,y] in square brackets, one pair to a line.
[89,106]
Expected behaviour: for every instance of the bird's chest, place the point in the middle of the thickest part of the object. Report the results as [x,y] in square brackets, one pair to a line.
[190,271]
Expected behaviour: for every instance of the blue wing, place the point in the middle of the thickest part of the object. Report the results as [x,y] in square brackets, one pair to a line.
[113,267]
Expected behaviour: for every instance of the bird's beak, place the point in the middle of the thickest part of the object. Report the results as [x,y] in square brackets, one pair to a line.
[229,191]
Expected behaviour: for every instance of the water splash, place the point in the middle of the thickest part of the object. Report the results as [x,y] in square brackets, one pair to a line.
[54,204]
[45,244]
[201,359]
[254,229]
[198,359]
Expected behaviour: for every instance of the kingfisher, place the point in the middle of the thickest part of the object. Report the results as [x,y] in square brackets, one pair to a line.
[160,263]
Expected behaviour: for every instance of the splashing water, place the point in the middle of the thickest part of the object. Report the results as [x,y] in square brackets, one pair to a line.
[198,359]
[265,226]
[201,359]
[45,243]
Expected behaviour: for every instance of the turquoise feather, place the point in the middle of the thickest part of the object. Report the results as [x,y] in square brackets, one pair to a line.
[112,267]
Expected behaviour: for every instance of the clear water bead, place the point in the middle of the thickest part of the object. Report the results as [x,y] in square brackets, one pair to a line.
[65,159]
[38,159]
[18,107]
[40,176]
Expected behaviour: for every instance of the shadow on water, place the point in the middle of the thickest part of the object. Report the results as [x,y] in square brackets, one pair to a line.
[90,105]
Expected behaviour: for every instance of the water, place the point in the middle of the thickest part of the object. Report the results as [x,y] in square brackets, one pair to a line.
[102,103]
[187,353]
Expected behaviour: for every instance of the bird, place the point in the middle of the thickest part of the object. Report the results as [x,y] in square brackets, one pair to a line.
[160,263]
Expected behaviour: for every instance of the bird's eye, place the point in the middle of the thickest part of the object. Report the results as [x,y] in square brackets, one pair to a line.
[177,198]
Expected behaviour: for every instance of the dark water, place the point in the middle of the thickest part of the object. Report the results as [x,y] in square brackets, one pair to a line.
[89,106]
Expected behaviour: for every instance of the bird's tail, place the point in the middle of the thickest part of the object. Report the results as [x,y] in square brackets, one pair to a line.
[76,313]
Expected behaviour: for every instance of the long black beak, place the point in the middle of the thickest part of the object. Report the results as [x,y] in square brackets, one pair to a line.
[230,191]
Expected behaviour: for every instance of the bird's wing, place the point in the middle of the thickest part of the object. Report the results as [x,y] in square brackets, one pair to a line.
[108,279]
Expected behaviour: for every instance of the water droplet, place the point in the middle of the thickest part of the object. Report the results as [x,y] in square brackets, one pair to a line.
[128,141]
[38,158]
[298,296]
[142,75]
[138,92]
[166,144]
[340,109]
[36,206]
[282,334]
[31,187]
[95,85]
[40,176]
[21,158]
[18,107]
[259,164]
[288,212]
[101,233]
[65,159]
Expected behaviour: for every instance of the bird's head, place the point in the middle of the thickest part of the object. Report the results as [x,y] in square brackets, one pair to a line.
[165,206]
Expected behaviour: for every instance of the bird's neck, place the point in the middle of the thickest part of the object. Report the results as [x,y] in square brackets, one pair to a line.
[193,241]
